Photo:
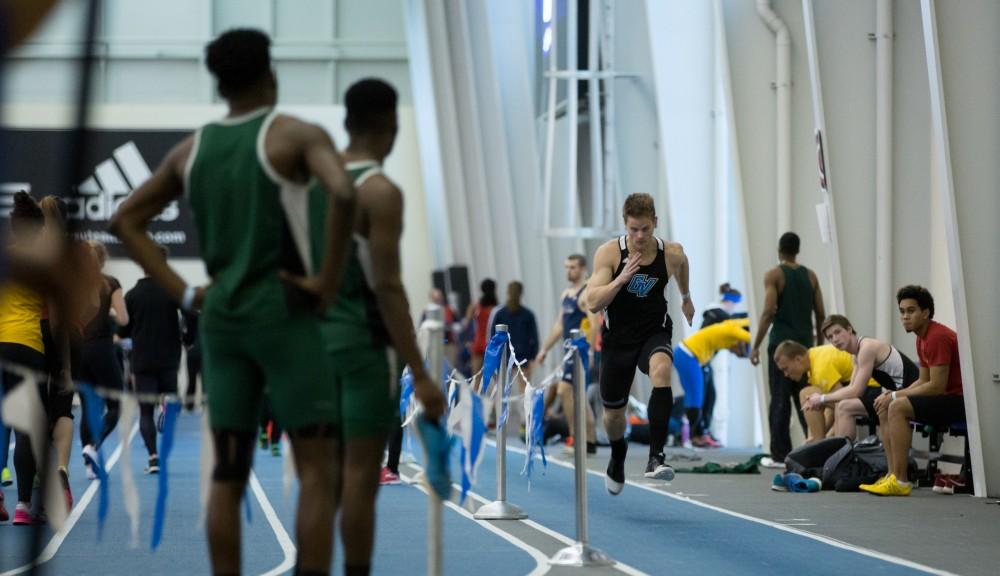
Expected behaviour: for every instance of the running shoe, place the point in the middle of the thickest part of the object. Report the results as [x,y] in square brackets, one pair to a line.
[768,462]
[5,477]
[952,483]
[658,469]
[614,478]
[154,465]
[276,449]
[879,482]
[778,483]
[705,441]
[264,441]
[24,517]
[388,477]
[891,487]
[90,461]
[4,515]
[940,481]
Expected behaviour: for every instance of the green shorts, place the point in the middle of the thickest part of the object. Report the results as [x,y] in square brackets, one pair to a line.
[286,360]
[368,381]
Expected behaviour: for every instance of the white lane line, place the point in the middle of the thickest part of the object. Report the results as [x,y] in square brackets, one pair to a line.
[541,560]
[287,546]
[555,535]
[812,536]
[59,537]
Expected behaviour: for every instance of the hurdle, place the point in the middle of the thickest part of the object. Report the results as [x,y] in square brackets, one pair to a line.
[500,509]
[580,554]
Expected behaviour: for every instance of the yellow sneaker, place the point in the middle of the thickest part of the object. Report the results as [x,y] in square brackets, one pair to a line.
[891,487]
[879,482]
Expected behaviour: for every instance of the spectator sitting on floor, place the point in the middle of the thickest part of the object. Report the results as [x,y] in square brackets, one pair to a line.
[935,398]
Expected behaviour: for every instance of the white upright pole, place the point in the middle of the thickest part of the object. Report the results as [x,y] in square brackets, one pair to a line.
[883,171]
[435,508]
[500,509]
[580,554]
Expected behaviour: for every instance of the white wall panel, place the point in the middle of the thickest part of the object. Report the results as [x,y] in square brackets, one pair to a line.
[306,82]
[148,21]
[396,73]
[48,81]
[228,14]
[370,20]
[303,20]
[155,82]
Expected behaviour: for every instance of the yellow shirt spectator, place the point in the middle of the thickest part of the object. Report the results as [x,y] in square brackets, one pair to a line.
[704,343]
[829,366]
[21,313]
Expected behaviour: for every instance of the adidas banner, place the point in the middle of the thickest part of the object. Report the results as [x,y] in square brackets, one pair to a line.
[118,161]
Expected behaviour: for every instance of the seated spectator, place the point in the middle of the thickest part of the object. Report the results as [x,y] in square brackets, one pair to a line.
[873,359]
[935,398]
[818,370]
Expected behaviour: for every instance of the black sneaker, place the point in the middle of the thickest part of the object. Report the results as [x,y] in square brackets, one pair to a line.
[614,479]
[591,448]
[154,465]
[657,469]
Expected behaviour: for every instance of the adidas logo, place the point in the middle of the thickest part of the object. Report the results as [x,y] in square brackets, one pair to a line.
[101,194]
[113,180]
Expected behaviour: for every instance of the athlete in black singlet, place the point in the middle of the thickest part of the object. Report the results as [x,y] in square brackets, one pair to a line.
[630,284]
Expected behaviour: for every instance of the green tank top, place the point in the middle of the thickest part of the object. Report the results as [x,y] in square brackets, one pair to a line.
[251,223]
[793,321]
[353,320]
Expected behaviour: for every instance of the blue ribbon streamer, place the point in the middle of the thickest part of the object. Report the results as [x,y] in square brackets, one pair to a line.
[166,447]
[491,359]
[94,415]
[535,436]
[470,454]
[583,347]
[405,393]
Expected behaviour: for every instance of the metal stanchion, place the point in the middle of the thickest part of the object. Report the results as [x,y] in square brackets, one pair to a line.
[435,508]
[500,509]
[581,553]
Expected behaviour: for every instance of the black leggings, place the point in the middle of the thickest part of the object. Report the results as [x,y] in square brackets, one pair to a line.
[98,366]
[24,461]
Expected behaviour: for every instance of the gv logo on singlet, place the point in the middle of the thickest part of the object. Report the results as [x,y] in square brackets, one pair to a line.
[641,285]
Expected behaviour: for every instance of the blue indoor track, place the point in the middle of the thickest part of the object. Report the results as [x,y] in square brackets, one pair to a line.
[647,530]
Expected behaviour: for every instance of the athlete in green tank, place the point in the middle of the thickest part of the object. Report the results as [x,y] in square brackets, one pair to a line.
[369,323]
[792,299]
[246,177]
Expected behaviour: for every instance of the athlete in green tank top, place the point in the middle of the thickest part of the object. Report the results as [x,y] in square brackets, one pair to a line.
[793,319]
[792,299]
[369,322]
[246,178]
[353,319]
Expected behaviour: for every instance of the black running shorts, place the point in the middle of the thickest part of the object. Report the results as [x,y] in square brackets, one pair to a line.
[618,367]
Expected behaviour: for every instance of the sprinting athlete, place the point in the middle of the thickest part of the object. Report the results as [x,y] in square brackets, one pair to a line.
[629,283]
